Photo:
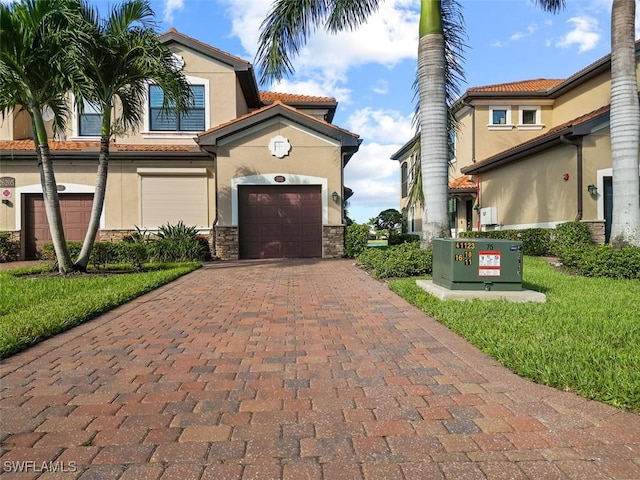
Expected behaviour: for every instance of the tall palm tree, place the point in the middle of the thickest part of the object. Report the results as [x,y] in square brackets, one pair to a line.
[624,121]
[290,22]
[625,125]
[122,58]
[36,70]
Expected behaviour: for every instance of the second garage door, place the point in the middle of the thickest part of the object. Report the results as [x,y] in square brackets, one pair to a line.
[75,209]
[280,221]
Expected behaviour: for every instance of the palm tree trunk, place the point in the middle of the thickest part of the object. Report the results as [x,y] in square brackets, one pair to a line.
[625,125]
[433,122]
[50,193]
[97,205]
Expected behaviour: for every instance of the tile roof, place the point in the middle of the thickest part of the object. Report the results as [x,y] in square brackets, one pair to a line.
[22,145]
[268,107]
[268,97]
[537,85]
[462,182]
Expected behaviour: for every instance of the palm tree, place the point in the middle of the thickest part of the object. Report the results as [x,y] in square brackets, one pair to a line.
[289,24]
[36,69]
[625,125]
[624,121]
[122,58]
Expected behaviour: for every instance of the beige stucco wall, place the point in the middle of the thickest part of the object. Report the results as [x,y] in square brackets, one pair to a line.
[122,201]
[521,190]
[248,156]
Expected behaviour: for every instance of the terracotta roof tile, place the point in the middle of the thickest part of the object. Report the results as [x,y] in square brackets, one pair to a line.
[268,107]
[22,145]
[268,97]
[537,85]
[462,182]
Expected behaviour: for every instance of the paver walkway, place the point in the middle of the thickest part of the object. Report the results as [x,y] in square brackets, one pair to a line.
[291,369]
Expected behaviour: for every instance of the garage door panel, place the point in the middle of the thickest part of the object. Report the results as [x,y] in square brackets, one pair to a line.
[287,224]
[75,211]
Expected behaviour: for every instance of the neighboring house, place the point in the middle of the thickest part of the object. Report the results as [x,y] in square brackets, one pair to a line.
[536,152]
[261,173]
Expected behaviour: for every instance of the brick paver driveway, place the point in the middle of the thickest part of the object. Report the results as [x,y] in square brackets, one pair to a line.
[291,369]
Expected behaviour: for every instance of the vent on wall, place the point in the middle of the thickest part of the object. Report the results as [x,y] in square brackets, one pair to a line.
[489,216]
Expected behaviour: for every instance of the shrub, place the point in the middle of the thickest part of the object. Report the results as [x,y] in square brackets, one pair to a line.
[132,252]
[8,247]
[177,232]
[607,261]
[48,253]
[404,260]
[166,250]
[103,253]
[404,238]
[355,240]
[535,241]
[570,242]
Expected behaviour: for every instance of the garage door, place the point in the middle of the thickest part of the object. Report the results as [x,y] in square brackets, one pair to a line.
[280,221]
[76,211]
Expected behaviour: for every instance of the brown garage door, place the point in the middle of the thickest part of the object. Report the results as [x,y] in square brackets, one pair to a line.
[76,211]
[277,221]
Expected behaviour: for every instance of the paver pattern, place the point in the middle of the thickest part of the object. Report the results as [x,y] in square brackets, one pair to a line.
[291,369]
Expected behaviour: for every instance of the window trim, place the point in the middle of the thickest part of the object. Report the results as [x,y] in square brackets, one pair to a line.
[500,126]
[530,126]
[75,125]
[404,179]
[146,131]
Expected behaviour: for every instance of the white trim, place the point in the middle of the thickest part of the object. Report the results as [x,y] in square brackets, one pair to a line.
[500,126]
[172,171]
[147,133]
[269,179]
[37,188]
[276,121]
[530,126]
[522,226]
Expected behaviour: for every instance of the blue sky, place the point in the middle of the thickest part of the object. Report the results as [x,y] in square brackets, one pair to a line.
[370,71]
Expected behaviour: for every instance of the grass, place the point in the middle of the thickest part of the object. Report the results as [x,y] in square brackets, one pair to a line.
[585,338]
[35,307]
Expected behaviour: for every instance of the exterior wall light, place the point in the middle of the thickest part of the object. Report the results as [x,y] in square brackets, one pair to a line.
[335,196]
[593,190]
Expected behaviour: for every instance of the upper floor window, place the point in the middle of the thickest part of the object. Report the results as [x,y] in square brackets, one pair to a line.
[529,118]
[90,120]
[404,178]
[500,118]
[192,120]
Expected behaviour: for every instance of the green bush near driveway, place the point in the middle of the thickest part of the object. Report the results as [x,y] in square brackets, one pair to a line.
[36,307]
[404,260]
[355,239]
[585,338]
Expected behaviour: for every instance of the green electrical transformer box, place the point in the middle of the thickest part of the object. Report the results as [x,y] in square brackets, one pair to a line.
[477,264]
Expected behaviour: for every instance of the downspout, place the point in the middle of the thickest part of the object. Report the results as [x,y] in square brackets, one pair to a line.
[578,145]
[478,194]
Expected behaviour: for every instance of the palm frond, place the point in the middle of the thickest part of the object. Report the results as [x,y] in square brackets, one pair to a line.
[350,14]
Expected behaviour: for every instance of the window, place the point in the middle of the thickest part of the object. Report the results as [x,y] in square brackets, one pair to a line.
[529,118]
[500,117]
[404,176]
[90,120]
[192,120]
[451,145]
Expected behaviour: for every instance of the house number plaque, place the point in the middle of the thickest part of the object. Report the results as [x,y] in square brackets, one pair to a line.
[279,179]
[7,182]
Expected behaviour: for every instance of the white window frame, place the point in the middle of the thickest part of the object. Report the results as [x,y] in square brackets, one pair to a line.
[147,133]
[529,126]
[500,126]
[75,125]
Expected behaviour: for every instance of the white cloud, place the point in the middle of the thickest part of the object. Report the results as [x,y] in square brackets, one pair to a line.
[386,126]
[381,87]
[171,6]
[327,86]
[531,29]
[389,37]
[585,34]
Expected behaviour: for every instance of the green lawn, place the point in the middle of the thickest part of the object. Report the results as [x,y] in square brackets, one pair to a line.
[34,308]
[585,338]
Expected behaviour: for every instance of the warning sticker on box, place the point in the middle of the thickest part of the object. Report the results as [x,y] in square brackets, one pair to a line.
[489,264]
